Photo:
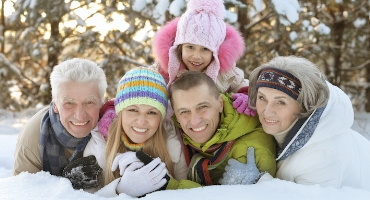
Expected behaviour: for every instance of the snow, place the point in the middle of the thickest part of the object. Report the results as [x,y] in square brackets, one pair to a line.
[322,29]
[359,22]
[42,185]
[289,8]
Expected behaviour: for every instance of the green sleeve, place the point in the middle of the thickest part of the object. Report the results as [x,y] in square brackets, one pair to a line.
[174,184]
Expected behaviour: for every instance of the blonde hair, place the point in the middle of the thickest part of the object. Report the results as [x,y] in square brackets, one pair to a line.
[156,146]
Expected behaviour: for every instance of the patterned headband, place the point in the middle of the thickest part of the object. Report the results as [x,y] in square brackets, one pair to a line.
[280,80]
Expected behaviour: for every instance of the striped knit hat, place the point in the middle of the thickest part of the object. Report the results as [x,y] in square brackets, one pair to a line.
[142,86]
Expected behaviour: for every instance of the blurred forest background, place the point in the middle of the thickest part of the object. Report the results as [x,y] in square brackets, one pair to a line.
[36,35]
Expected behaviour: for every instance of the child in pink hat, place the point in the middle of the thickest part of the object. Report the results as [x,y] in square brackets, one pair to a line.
[200,40]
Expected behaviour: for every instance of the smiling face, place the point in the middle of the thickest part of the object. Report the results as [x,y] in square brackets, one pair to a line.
[196,57]
[276,110]
[140,122]
[78,105]
[198,112]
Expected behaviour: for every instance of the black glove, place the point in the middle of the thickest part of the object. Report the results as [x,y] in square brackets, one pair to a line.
[84,173]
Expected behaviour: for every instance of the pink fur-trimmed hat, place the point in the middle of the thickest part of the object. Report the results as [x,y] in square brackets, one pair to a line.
[202,24]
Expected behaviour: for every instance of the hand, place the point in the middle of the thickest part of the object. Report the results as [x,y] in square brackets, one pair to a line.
[138,180]
[241,104]
[84,173]
[123,160]
[106,120]
[237,173]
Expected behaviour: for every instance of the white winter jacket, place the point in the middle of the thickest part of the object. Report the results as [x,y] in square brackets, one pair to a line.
[96,147]
[325,150]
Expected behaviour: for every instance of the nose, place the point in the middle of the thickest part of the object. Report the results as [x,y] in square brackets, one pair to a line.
[141,119]
[80,113]
[195,119]
[269,110]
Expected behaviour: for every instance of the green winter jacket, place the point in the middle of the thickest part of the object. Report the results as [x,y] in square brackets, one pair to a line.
[246,131]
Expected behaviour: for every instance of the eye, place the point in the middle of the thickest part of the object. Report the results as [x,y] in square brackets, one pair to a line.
[184,112]
[152,113]
[190,47]
[260,97]
[89,104]
[69,104]
[281,103]
[203,106]
[132,110]
[206,49]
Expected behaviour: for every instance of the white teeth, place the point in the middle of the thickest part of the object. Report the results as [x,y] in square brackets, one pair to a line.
[141,130]
[200,128]
[79,124]
[271,121]
[195,63]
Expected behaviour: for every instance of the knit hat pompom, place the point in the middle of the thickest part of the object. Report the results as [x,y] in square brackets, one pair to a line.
[215,7]
[141,85]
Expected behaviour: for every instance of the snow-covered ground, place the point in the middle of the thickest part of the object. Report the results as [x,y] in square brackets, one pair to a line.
[44,186]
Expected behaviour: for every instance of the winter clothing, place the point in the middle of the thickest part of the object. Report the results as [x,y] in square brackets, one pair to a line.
[107,114]
[53,138]
[201,24]
[241,173]
[325,150]
[240,130]
[226,44]
[141,86]
[279,80]
[27,155]
[97,143]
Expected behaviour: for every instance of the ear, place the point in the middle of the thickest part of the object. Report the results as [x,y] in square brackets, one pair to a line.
[221,101]
[55,108]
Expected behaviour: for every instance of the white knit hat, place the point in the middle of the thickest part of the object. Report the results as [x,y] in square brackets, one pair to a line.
[202,24]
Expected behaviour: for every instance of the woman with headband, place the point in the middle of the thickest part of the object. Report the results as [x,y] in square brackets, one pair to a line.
[311,121]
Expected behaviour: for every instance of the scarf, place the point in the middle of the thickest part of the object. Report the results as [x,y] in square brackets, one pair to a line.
[129,145]
[199,165]
[53,139]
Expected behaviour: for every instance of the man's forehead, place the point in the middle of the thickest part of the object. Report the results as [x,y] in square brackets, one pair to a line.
[69,98]
[187,99]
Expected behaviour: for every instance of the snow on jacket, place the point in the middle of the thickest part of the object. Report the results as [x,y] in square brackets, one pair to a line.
[27,155]
[326,150]
[230,78]
[97,144]
[246,131]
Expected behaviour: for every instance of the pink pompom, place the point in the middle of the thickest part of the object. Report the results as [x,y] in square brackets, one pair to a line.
[208,6]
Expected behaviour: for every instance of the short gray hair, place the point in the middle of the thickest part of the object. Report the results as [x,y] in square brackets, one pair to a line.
[314,93]
[78,70]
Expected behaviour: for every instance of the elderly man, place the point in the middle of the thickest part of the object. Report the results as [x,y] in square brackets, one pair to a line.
[54,139]
[214,133]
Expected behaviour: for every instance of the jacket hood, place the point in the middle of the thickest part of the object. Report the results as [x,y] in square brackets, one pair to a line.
[328,121]
[230,51]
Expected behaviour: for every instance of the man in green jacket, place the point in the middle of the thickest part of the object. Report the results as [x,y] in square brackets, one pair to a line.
[213,133]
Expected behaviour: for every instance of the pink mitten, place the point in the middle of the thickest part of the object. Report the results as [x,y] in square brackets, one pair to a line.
[241,104]
[105,121]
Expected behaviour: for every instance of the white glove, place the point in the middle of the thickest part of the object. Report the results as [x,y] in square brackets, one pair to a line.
[138,180]
[123,160]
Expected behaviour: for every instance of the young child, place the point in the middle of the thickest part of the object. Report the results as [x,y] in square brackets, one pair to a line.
[200,40]
[140,105]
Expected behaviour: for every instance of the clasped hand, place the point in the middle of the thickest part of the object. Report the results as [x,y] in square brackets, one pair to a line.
[84,173]
[139,179]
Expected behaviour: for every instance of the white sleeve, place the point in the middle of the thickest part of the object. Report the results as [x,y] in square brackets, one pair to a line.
[109,190]
[96,147]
